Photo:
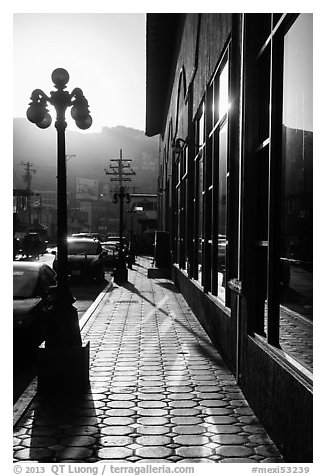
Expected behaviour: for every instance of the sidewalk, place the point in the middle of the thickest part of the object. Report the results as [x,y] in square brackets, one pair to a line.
[159,391]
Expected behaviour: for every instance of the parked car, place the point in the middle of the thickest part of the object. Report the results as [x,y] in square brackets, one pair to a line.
[33,245]
[115,240]
[97,236]
[33,285]
[113,246]
[112,253]
[86,259]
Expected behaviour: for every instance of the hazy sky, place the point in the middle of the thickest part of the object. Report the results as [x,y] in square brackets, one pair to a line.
[104,54]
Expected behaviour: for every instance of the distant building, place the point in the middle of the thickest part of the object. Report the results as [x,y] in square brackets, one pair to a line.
[141,214]
[34,210]
[231,97]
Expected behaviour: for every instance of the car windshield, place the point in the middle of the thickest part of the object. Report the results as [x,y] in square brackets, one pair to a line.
[24,283]
[80,248]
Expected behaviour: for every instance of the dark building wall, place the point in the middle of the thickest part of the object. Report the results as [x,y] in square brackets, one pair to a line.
[203,40]
[282,401]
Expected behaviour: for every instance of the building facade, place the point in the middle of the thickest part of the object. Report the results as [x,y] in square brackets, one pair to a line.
[231,97]
[34,211]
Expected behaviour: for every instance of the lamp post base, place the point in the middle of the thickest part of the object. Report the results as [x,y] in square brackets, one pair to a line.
[63,324]
[63,361]
[120,275]
[63,369]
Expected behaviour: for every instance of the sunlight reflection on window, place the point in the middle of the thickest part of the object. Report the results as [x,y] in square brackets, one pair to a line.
[224,97]
[201,138]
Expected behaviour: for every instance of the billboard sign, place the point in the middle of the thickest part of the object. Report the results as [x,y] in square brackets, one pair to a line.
[86,189]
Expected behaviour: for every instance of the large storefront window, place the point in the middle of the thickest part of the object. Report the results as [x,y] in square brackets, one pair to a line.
[222,211]
[296,197]
[200,216]
[199,189]
[181,194]
[220,178]
[282,136]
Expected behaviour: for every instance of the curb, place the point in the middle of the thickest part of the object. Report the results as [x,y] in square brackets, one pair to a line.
[92,308]
[27,396]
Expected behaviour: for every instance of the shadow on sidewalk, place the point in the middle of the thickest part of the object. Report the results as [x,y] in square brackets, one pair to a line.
[64,428]
[170,287]
[202,344]
[130,287]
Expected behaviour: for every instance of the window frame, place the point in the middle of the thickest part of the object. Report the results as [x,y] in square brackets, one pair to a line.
[266,323]
[215,126]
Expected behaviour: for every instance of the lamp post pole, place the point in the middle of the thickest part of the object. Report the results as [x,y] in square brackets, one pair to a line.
[62,205]
[63,327]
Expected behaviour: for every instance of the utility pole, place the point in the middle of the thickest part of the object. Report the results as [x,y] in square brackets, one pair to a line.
[119,174]
[28,179]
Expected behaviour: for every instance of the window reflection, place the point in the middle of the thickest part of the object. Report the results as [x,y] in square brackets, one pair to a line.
[296,196]
[200,218]
[222,211]
[221,95]
[224,97]
[200,143]
[201,129]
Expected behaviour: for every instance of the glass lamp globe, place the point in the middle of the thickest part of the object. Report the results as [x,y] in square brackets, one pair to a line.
[78,93]
[79,112]
[84,123]
[60,77]
[46,122]
[35,113]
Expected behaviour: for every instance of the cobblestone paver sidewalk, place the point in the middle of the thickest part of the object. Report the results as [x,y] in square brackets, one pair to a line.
[159,391]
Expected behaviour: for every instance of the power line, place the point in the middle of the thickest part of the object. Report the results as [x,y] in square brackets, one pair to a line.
[118,170]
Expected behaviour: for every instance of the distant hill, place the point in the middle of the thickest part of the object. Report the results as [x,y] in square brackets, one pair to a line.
[92,151]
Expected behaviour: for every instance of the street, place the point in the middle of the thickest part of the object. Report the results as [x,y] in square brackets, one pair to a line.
[84,292]
[24,360]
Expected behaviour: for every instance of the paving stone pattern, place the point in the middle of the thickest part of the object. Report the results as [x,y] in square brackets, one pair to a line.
[159,391]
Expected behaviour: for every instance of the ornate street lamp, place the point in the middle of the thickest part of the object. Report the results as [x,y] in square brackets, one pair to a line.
[63,329]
